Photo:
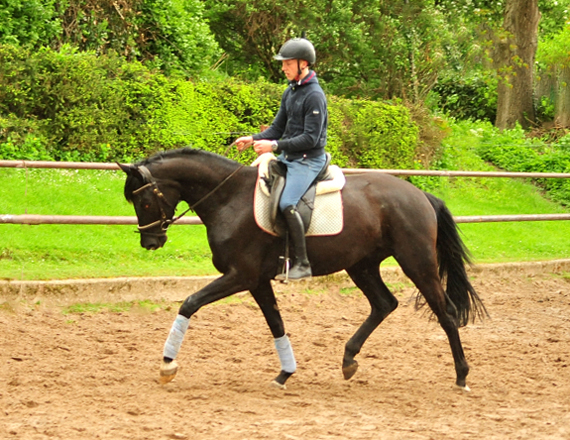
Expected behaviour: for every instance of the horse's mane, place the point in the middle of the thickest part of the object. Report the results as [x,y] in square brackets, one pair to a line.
[132,183]
[177,153]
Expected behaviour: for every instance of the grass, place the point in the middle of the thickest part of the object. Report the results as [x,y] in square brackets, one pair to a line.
[509,241]
[77,251]
[505,241]
[85,251]
[144,306]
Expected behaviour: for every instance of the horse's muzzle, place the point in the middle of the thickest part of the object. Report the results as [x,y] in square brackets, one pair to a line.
[152,242]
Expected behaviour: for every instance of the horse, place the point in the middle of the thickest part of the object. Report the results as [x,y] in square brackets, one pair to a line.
[384,216]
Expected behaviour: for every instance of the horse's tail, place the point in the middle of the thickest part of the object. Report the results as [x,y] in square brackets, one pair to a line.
[452,256]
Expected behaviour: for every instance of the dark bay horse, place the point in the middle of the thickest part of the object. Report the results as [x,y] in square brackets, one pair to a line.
[384,216]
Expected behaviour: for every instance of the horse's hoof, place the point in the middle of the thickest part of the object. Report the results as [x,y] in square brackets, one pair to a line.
[277,385]
[464,388]
[350,370]
[168,371]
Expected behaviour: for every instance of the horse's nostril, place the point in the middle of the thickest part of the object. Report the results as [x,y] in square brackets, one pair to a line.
[150,246]
[151,243]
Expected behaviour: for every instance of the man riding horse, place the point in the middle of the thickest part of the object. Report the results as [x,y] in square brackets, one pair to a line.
[299,134]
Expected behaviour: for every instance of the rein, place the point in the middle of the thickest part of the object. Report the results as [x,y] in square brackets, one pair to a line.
[211,192]
[164,222]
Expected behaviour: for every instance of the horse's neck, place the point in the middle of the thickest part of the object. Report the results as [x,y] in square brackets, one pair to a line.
[196,171]
[199,176]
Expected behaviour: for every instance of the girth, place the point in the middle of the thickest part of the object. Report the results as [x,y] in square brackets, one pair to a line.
[275,181]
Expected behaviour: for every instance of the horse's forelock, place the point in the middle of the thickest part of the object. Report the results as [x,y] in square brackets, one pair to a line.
[131,185]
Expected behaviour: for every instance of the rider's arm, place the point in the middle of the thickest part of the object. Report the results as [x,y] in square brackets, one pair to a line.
[277,127]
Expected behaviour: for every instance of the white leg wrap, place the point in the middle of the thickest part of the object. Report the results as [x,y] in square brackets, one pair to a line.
[286,356]
[176,336]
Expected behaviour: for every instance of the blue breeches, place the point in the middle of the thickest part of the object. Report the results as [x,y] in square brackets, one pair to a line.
[300,175]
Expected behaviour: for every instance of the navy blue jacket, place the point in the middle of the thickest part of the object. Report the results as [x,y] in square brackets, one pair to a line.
[300,126]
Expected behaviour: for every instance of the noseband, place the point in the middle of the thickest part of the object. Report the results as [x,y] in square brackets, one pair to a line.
[164,221]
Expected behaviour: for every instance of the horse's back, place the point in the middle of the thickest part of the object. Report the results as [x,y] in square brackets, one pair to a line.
[390,196]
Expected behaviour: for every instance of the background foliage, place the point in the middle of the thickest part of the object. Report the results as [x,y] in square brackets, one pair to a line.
[511,150]
[376,49]
[382,49]
[28,22]
[102,80]
[72,105]
[169,34]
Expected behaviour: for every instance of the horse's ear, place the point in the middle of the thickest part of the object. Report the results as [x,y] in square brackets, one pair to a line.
[126,168]
[131,170]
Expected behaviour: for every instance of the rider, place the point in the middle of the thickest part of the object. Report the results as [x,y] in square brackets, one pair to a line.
[299,134]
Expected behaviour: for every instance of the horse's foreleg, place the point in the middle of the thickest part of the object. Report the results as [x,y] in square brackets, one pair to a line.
[366,276]
[169,366]
[220,288]
[287,359]
[265,298]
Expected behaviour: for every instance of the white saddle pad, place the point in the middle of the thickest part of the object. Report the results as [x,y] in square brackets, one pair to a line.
[327,218]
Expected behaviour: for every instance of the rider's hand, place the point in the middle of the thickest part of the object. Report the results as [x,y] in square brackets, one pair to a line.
[262,146]
[243,142]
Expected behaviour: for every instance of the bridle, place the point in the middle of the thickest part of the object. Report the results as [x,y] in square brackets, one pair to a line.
[151,184]
[164,222]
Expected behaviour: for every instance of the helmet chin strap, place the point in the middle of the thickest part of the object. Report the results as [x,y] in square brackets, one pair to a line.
[299,71]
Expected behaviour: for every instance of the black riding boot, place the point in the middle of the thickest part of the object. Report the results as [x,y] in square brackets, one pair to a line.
[302,267]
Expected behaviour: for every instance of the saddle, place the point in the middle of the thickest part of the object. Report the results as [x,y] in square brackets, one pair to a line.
[272,181]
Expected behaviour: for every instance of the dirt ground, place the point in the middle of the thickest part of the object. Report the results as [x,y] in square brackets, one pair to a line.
[93,375]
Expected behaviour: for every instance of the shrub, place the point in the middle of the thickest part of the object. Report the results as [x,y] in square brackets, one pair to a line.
[70,99]
[369,134]
[29,23]
[513,151]
[172,35]
[467,98]
[29,148]
[74,105]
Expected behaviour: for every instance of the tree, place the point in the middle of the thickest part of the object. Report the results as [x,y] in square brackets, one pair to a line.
[380,49]
[554,57]
[169,34]
[251,31]
[514,57]
[28,23]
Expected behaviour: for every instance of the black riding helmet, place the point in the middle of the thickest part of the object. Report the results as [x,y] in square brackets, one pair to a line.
[297,49]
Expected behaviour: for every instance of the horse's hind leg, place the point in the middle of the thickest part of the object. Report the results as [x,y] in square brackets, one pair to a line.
[435,296]
[366,276]
[426,279]
[265,298]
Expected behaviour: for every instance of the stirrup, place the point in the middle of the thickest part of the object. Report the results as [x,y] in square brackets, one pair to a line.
[284,275]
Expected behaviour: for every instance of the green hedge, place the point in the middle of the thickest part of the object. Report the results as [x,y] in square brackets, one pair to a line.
[472,98]
[71,105]
[371,134]
[511,150]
